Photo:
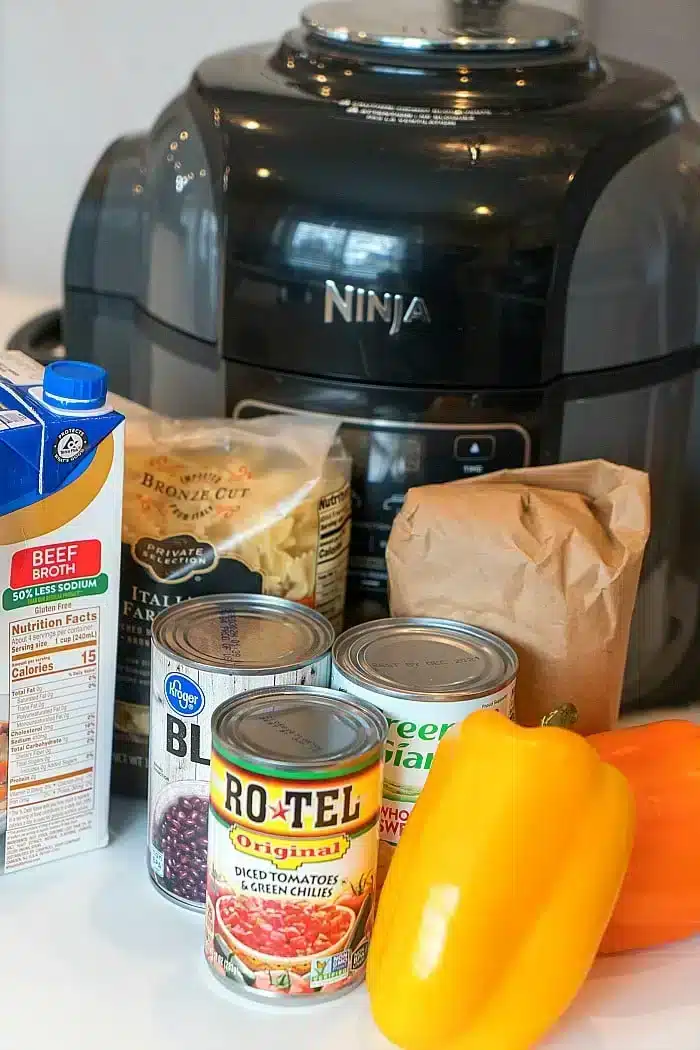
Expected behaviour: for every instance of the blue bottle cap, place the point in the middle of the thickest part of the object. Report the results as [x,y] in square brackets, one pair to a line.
[75,385]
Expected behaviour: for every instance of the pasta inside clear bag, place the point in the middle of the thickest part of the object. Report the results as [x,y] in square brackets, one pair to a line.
[255,491]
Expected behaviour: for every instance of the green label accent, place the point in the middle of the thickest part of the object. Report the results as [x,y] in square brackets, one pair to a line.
[54,592]
[292,773]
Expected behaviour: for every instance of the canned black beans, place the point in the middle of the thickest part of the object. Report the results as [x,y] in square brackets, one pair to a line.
[181,836]
[206,651]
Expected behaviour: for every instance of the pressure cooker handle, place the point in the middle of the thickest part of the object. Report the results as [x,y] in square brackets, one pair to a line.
[40,338]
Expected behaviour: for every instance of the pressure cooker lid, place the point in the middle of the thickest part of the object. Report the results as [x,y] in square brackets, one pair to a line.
[444,26]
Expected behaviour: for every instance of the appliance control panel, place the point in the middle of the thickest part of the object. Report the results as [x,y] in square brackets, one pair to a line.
[391,457]
[388,459]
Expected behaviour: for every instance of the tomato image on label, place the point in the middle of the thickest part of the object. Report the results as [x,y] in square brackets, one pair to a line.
[284,929]
[355,897]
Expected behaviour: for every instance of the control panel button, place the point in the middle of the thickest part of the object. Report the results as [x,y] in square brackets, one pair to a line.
[474,448]
[394,502]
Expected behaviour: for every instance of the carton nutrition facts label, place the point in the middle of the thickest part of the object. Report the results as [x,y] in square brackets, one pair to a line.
[54,660]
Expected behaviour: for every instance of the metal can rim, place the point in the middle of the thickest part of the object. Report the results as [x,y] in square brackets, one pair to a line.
[296,609]
[291,769]
[344,667]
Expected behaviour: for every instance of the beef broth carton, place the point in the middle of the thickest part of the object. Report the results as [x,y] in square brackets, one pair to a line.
[61,477]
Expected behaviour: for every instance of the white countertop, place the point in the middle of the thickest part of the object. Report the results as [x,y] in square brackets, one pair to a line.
[93,956]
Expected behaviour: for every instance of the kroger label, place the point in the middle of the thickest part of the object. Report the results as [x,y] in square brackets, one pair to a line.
[183,695]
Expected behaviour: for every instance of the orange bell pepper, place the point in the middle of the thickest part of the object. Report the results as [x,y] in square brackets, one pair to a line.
[500,889]
[660,898]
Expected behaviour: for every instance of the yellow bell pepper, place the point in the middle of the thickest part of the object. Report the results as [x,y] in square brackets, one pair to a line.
[500,889]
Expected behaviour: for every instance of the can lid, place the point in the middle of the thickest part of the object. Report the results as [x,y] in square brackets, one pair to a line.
[243,634]
[75,385]
[299,732]
[426,659]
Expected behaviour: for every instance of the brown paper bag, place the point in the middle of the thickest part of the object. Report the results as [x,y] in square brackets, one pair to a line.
[546,557]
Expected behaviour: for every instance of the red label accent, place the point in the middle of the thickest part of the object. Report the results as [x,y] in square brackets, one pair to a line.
[56,561]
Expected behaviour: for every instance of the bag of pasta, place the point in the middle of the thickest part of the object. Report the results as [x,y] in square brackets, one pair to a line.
[221,507]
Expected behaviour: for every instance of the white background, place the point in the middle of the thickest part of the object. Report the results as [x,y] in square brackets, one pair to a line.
[75,74]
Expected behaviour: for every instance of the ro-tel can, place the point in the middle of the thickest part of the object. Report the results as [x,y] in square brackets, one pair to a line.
[296,784]
[205,651]
[426,675]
